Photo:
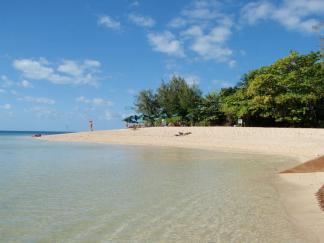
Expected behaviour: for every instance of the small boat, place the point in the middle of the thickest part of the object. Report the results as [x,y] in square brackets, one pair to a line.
[37,135]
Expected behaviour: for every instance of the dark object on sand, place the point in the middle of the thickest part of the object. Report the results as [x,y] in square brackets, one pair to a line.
[37,135]
[182,134]
[320,197]
[314,165]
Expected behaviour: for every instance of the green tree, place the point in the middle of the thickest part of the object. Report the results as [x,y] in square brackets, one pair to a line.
[147,105]
[289,92]
[210,112]
[286,93]
[178,99]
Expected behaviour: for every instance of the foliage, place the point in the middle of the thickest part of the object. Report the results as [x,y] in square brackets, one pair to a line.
[146,104]
[210,113]
[289,92]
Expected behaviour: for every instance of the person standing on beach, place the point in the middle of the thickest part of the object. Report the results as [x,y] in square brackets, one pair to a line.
[91,126]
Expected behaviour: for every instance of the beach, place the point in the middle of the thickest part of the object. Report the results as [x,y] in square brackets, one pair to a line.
[297,190]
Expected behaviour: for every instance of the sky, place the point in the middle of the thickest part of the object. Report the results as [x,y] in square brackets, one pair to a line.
[63,63]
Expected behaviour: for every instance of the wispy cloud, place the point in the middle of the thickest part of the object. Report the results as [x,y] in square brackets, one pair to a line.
[177,22]
[140,20]
[166,42]
[296,15]
[222,83]
[67,72]
[25,84]
[109,22]
[93,101]
[6,107]
[111,115]
[5,81]
[37,100]
[192,79]
[202,10]
[134,4]
[43,112]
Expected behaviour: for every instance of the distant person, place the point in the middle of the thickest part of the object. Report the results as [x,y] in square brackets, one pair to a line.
[91,126]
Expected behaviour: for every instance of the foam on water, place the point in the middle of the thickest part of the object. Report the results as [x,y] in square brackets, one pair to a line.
[81,192]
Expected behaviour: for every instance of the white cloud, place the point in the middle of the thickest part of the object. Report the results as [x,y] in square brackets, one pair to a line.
[110,115]
[132,91]
[192,79]
[243,53]
[255,11]
[94,101]
[6,107]
[222,83]
[204,30]
[177,22]
[135,4]
[172,64]
[25,84]
[38,100]
[109,22]
[70,68]
[67,72]
[166,42]
[140,20]
[6,82]
[14,92]
[294,15]
[43,112]
[232,63]
[202,10]
[211,45]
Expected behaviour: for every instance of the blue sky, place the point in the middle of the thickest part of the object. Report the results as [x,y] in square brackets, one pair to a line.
[65,62]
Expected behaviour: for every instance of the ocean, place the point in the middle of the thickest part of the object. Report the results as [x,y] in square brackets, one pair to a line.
[77,192]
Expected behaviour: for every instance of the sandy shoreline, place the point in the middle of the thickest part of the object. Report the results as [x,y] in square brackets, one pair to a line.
[296,189]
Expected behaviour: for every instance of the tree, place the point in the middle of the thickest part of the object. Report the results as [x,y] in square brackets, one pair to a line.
[177,98]
[210,113]
[146,104]
[287,93]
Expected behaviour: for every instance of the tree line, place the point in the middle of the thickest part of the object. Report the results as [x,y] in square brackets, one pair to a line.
[287,93]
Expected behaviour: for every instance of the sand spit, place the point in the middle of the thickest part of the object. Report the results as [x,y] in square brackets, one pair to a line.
[303,144]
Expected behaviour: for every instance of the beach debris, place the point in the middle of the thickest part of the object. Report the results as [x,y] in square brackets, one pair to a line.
[182,134]
[320,197]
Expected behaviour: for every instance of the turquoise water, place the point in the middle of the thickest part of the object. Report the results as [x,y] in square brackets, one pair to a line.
[63,192]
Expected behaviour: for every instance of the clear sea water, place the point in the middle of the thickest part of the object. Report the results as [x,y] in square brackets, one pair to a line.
[73,192]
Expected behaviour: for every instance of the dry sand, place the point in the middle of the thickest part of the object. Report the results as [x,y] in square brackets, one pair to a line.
[297,190]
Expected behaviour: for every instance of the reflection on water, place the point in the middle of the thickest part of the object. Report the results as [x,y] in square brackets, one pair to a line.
[78,192]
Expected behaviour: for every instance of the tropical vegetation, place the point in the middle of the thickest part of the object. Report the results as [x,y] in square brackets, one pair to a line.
[287,93]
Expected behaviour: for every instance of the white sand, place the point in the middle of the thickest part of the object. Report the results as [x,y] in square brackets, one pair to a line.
[299,197]
[297,190]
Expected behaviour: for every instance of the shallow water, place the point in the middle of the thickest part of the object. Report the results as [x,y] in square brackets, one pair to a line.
[60,192]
